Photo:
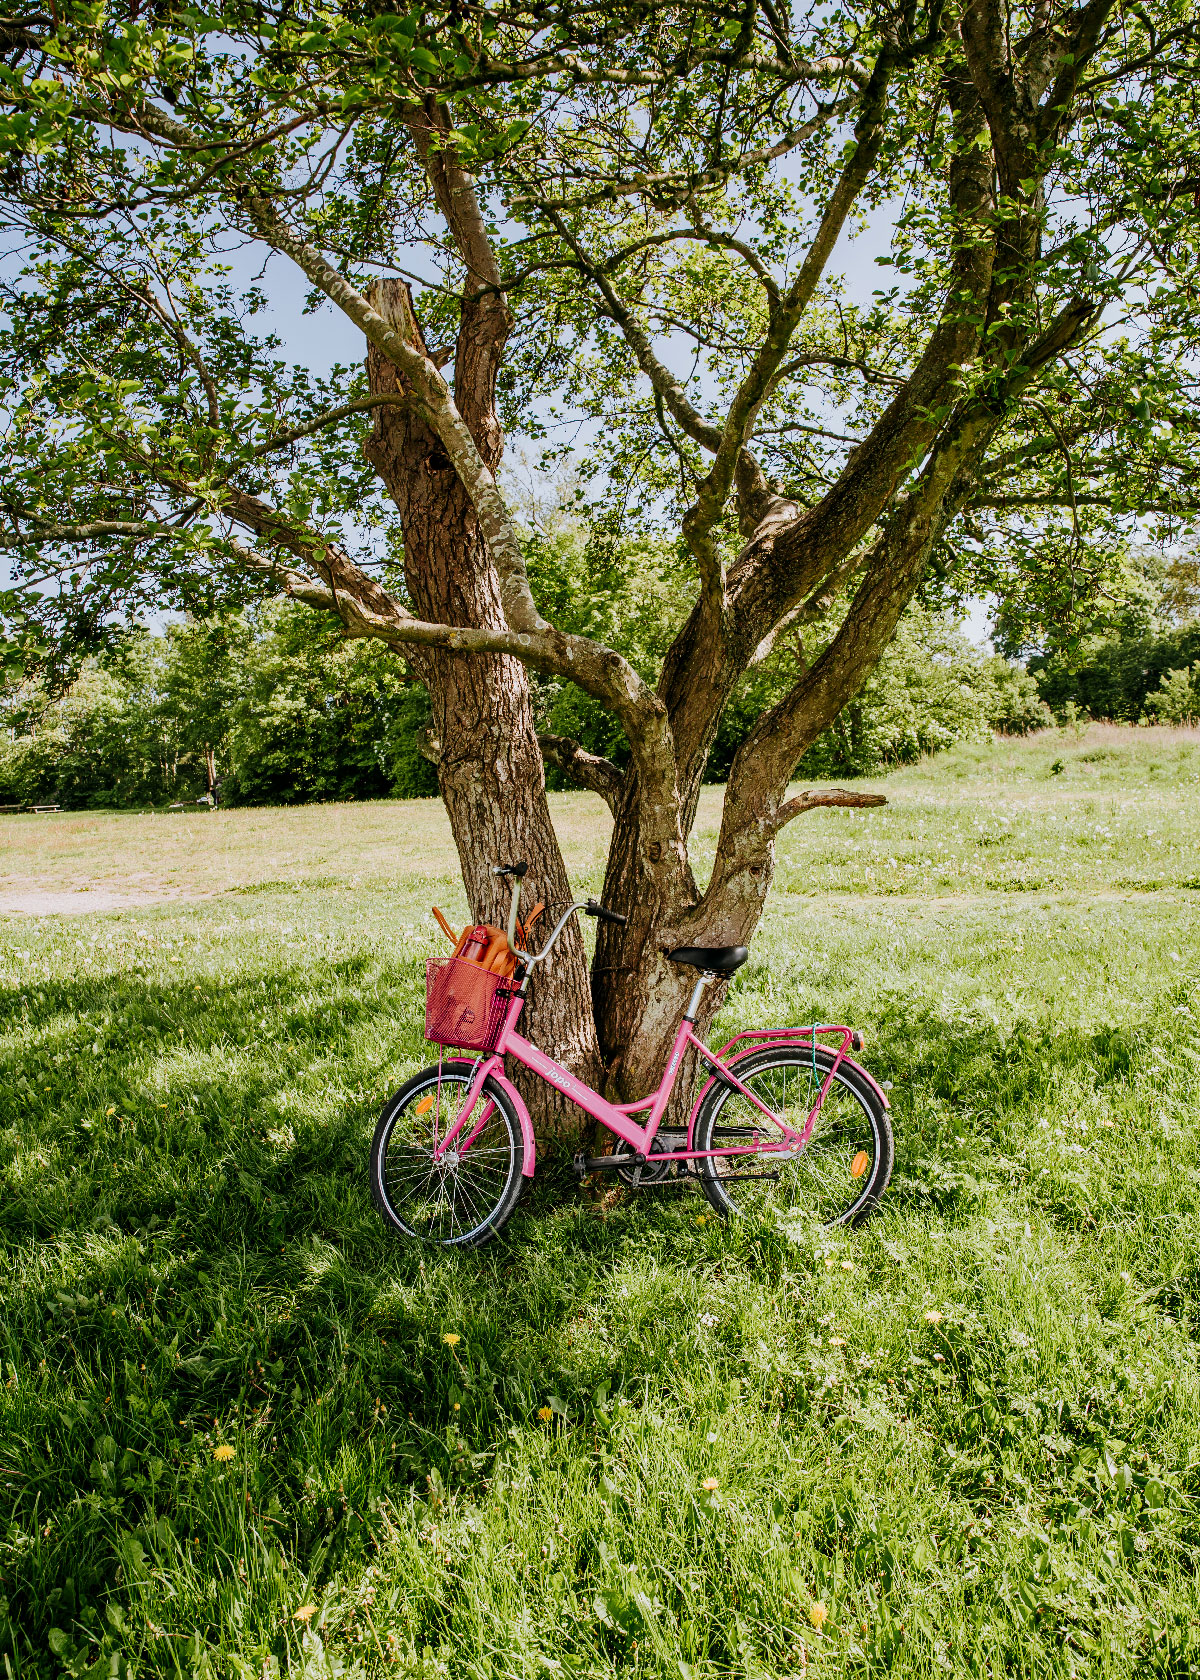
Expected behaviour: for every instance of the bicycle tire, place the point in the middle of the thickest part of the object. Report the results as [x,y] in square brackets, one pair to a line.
[852,1121]
[444,1205]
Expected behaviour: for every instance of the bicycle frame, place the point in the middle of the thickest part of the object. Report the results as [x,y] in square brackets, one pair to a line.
[618,1117]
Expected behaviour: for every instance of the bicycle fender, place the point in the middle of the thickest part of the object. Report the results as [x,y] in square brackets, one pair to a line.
[714,1080]
[848,1061]
[497,1076]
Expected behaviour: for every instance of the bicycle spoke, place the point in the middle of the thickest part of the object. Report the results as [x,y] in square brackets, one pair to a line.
[474,1206]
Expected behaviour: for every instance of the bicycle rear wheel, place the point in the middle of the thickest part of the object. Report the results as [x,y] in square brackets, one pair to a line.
[463,1199]
[843,1169]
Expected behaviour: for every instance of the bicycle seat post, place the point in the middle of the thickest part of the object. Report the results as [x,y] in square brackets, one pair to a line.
[698,991]
[512,913]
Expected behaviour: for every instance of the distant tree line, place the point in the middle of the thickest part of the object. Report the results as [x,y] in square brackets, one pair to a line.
[275,706]
[1152,676]
[272,707]
[1140,662]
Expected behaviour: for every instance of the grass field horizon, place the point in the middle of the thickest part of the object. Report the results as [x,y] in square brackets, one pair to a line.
[235,1441]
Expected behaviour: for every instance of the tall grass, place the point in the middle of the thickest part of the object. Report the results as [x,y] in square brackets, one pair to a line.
[235,1439]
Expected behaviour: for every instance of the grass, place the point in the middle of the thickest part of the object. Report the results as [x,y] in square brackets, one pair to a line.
[959,1440]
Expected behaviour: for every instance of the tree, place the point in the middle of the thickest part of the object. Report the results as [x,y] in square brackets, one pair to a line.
[590,193]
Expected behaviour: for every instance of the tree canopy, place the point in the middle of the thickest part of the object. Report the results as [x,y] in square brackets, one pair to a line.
[660,189]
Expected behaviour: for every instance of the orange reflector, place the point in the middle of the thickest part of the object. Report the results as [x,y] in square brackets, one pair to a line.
[859,1164]
[426,1103]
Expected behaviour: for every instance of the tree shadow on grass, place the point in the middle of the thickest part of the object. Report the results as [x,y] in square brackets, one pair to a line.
[203,1266]
[192,1258]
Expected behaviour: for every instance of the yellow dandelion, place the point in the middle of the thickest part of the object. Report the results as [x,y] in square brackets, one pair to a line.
[451,1339]
[818,1615]
[702,1219]
[305,1613]
[456,1405]
[710,1484]
[108,1112]
[223,1453]
[933,1316]
[545,1413]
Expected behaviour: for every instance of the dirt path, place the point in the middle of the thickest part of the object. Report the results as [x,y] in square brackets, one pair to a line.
[36,901]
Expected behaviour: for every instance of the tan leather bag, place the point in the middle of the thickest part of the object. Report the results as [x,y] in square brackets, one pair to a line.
[485,944]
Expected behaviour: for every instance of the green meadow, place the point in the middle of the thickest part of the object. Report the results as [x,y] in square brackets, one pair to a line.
[245,1433]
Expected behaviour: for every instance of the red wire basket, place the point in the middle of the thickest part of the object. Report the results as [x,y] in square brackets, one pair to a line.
[465,1005]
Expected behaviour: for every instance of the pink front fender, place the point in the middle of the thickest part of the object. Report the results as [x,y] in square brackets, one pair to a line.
[498,1076]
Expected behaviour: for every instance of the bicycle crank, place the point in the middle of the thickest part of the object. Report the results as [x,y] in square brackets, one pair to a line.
[635,1170]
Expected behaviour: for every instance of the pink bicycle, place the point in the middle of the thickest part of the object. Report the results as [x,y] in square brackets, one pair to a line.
[784,1124]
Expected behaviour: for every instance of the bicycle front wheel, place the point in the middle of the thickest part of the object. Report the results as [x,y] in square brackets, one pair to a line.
[841,1172]
[463,1198]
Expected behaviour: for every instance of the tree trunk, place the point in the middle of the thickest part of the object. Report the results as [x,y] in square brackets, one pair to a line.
[639,993]
[489,764]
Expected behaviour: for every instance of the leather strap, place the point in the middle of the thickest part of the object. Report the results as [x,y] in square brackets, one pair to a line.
[445,926]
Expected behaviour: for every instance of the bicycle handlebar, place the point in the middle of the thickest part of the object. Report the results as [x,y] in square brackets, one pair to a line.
[518,871]
[604,914]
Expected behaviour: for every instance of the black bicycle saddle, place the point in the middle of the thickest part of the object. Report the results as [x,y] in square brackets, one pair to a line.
[714,959]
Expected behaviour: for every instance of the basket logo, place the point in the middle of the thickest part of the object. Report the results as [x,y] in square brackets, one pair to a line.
[466,1017]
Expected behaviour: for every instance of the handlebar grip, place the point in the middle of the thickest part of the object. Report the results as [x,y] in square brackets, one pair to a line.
[605,915]
[520,870]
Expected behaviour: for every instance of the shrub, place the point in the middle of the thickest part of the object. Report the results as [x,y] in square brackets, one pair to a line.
[1115,675]
[1177,697]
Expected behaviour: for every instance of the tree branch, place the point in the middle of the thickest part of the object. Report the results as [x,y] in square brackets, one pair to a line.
[791,549]
[785,317]
[361,405]
[433,397]
[88,532]
[431,392]
[598,775]
[295,584]
[688,182]
[661,378]
[820,798]
[1036,499]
